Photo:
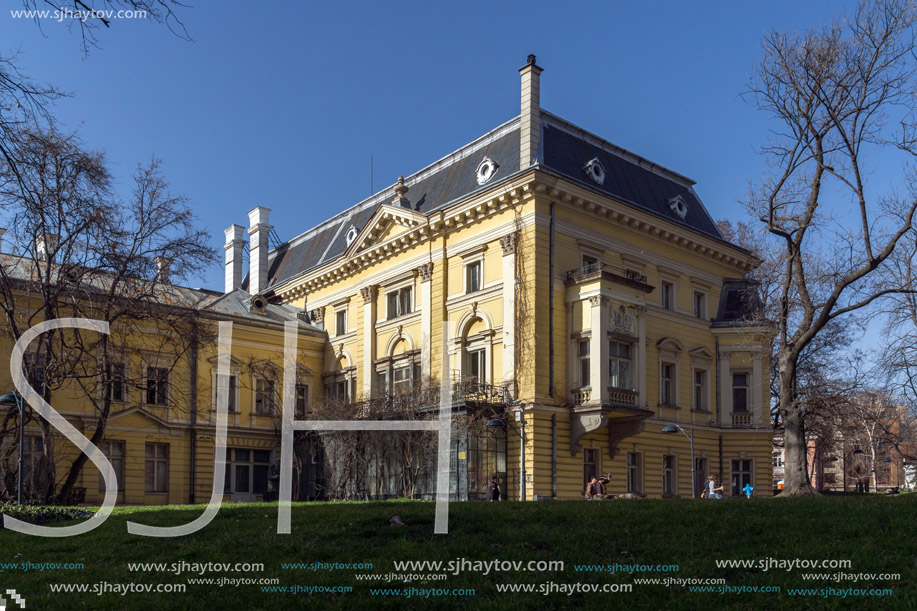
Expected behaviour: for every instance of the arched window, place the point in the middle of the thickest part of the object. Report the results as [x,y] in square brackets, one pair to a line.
[476,352]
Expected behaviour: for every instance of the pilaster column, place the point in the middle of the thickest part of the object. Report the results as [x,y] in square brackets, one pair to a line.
[508,243]
[425,272]
[369,338]
[641,356]
[725,364]
[598,349]
[757,376]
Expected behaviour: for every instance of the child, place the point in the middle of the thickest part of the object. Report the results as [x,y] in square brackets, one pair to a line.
[713,492]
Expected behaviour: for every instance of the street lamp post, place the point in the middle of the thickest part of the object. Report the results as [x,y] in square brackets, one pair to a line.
[501,423]
[674,428]
[12,399]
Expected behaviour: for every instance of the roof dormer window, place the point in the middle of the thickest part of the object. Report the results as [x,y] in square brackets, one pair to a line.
[351,235]
[486,170]
[595,170]
[678,206]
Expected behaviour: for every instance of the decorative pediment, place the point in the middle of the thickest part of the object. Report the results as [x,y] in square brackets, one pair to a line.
[137,416]
[670,343]
[387,223]
[701,353]
[233,361]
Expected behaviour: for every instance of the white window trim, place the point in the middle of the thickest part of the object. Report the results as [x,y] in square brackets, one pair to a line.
[705,367]
[275,411]
[730,404]
[145,367]
[669,358]
[125,387]
[674,473]
[397,289]
[641,487]
[234,372]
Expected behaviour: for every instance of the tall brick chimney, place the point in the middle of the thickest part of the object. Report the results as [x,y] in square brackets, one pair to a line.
[235,241]
[530,130]
[258,231]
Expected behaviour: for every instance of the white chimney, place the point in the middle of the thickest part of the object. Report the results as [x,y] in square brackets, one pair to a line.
[162,269]
[45,245]
[258,231]
[235,241]
[2,231]
[530,128]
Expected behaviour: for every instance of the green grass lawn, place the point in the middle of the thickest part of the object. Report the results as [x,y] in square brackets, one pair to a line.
[875,533]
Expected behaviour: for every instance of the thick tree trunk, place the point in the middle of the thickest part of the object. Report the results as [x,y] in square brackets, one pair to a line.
[796,480]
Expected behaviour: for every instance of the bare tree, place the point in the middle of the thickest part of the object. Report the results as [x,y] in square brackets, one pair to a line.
[82,253]
[840,94]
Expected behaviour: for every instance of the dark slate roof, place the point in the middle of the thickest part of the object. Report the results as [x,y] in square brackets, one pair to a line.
[565,149]
[449,179]
[740,304]
[238,304]
[629,178]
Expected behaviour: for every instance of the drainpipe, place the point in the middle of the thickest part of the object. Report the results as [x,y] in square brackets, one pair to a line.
[554,456]
[551,311]
[722,479]
[193,415]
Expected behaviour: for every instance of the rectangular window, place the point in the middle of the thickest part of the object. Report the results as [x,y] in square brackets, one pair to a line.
[700,305]
[382,381]
[340,322]
[36,372]
[116,391]
[337,390]
[398,303]
[668,474]
[740,392]
[157,386]
[634,474]
[302,400]
[667,384]
[157,467]
[590,465]
[667,295]
[476,365]
[32,454]
[583,356]
[473,277]
[778,458]
[264,396]
[619,365]
[700,390]
[247,471]
[114,452]
[590,264]
[401,377]
[741,475]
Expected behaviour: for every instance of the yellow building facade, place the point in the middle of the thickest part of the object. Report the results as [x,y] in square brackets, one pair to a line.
[160,434]
[588,283]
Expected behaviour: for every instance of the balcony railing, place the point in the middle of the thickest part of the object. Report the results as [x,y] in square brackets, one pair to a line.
[594,269]
[622,397]
[463,392]
[741,420]
[581,395]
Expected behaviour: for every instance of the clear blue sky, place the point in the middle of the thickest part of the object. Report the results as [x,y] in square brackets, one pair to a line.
[283,105]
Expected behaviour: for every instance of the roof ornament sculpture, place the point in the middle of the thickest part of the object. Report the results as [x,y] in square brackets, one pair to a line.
[400,190]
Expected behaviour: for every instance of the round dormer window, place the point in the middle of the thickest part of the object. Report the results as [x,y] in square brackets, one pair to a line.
[486,170]
[351,235]
[678,206]
[595,170]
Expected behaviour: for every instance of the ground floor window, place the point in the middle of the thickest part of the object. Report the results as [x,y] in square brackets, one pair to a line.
[157,467]
[590,465]
[741,475]
[247,471]
[634,473]
[668,474]
[114,452]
